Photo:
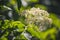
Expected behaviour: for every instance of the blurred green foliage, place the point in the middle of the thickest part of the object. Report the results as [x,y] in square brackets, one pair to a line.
[56,20]
[14,29]
[41,6]
[33,0]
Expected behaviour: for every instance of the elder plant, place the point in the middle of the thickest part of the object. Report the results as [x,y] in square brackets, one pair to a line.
[37,17]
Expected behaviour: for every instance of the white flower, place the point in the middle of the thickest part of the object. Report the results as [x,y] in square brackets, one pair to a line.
[38,17]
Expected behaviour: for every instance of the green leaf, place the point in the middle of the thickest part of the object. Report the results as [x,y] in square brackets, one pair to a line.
[41,6]
[33,0]
[33,32]
[4,38]
[19,4]
[22,37]
[56,20]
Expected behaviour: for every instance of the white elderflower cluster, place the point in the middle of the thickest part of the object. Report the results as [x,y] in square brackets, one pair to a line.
[38,17]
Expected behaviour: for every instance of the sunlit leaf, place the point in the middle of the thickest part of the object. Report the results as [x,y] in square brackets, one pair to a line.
[56,20]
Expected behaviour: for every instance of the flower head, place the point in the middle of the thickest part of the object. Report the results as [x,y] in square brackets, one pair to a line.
[38,17]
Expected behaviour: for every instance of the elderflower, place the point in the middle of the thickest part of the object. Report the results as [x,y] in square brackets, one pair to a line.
[38,17]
